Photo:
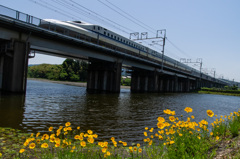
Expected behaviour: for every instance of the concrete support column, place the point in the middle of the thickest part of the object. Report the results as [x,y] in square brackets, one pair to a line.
[144,81]
[104,76]
[176,84]
[187,85]
[13,67]
[1,69]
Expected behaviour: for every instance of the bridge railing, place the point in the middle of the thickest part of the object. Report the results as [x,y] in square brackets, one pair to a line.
[19,15]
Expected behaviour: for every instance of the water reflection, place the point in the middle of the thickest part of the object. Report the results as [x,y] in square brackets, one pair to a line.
[123,115]
[11,110]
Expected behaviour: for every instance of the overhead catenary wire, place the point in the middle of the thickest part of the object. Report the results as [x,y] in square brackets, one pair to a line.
[78,10]
[53,9]
[95,15]
[130,16]
[180,50]
[123,15]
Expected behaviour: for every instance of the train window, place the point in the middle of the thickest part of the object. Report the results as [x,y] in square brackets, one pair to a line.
[108,34]
[104,33]
[118,38]
[98,28]
[124,41]
[114,37]
[94,27]
[111,36]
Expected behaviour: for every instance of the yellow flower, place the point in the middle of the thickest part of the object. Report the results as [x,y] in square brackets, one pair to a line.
[217,138]
[69,129]
[145,133]
[90,140]
[192,117]
[135,149]
[67,124]
[138,145]
[108,153]
[188,109]
[52,139]
[171,142]
[32,146]
[57,144]
[57,140]
[90,132]
[180,134]
[130,147]
[44,145]
[104,150]
[78,127]
[81,138]
[160,125]
[95,135]
[199,137]
[172,118]
[160,137]
[204,122]
[45,137]
[140,150]
[124,144]
[150,143]
[210,113]
[83,143]
[76,137]
[151,130]
[50,128]
[37,134]
[22,150]
[0,154]
[211,133]
[146,128]
[26,143]
[161,119]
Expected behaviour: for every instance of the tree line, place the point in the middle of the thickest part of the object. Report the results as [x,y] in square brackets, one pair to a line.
[69,70]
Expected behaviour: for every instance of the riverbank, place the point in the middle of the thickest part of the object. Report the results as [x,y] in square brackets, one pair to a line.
[174,139]
[230,91]
[218,93]
[78,84]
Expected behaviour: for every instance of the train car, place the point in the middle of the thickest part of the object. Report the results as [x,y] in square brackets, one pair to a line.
[105,37]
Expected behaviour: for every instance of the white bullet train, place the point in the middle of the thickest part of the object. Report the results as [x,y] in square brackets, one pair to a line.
[104,37]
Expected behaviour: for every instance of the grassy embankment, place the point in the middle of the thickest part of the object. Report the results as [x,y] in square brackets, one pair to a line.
[174,138]
[223,91]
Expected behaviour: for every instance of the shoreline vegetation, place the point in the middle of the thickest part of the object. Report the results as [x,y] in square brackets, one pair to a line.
[78,84]
[173,138]
[230,91]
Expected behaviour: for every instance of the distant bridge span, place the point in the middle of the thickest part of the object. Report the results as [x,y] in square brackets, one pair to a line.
[19,37]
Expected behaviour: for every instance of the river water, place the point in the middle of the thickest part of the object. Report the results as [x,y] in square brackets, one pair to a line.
[123,116]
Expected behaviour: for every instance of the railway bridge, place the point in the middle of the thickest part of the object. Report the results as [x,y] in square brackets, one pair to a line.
[20,34]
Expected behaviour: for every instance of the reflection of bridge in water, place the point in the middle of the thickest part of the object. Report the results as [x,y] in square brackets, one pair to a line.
[20,33]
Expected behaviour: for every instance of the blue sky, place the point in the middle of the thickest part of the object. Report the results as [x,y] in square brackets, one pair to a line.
[199,28]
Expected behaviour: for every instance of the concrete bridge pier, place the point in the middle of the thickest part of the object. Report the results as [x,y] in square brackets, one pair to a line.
[13,66]
[104,76]
[144,81]
[176,86]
